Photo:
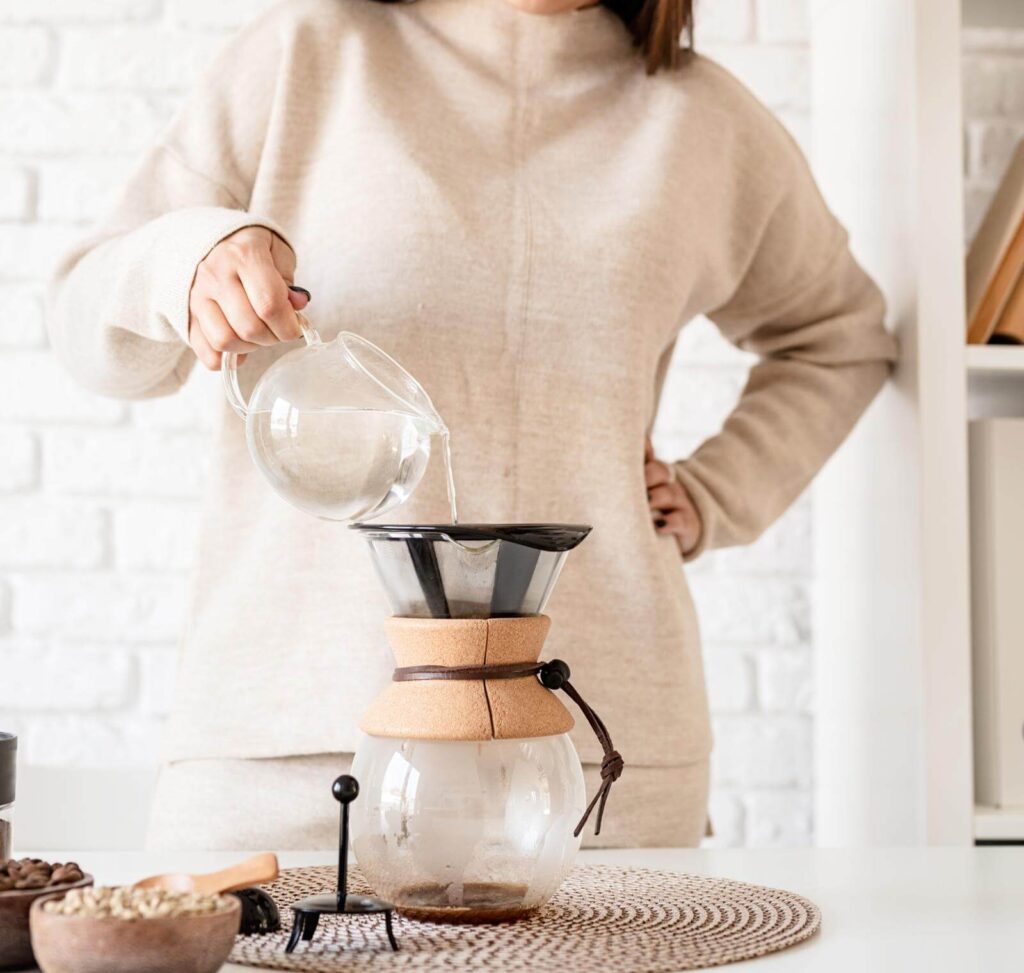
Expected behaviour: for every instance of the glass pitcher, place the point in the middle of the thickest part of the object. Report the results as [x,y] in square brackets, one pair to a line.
[338,428]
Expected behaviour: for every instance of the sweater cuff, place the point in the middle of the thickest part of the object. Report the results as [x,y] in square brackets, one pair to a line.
[189,235]
[705,505]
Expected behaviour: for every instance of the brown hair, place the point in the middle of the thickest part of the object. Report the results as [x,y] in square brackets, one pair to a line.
[658,27]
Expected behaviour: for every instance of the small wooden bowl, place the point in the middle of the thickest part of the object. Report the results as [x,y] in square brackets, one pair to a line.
[87,944]
[15,943]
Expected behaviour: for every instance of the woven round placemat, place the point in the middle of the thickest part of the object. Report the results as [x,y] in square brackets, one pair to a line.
[631,920]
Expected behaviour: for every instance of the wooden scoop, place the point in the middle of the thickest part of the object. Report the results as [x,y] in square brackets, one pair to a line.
[253,871]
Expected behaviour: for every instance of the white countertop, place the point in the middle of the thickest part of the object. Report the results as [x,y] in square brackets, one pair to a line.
[908,909]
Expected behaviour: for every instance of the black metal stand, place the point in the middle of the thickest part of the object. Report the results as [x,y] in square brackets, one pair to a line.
[308,911]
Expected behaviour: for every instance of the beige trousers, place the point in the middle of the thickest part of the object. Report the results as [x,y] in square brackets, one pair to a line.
[285,804]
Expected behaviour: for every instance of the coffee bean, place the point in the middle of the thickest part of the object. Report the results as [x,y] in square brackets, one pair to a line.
[34,881]
[63,874]
[34,873]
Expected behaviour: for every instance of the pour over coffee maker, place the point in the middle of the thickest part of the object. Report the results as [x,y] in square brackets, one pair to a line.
[473,794]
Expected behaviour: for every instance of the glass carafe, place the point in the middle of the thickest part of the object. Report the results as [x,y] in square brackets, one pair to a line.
[338,428]
[466,831]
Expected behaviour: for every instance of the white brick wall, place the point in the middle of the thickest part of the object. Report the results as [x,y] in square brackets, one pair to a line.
[98,498]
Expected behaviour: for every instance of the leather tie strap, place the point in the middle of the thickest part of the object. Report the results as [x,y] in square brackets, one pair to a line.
[552,675]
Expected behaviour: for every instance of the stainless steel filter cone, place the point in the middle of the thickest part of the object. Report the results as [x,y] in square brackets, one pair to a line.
[470,570]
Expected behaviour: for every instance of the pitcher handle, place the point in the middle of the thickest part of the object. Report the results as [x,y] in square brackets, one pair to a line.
[229,368]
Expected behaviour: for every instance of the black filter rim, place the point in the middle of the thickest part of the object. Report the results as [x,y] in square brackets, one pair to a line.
[542,537]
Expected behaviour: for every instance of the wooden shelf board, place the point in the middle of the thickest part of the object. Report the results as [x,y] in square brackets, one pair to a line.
[994,359]
[998,823]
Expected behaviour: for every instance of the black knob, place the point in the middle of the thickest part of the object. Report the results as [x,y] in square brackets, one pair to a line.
[345,789]
[554,675]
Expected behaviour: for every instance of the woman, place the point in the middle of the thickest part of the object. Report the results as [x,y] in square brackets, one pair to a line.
[526,217]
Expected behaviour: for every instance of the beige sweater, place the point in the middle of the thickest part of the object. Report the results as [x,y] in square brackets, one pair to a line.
[507,204]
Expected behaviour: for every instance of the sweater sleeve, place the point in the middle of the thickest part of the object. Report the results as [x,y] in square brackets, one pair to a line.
[118,303]
[815,320]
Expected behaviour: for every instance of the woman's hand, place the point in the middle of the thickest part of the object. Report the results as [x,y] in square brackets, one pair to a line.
[241,298]
[672,510]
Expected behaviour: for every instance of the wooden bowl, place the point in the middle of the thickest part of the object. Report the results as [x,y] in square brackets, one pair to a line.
[87,944]
[15,944]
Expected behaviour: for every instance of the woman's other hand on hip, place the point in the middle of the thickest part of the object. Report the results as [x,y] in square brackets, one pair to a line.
[242,298]
[672,510]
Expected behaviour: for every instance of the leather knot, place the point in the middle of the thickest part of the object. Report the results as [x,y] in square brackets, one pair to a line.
[612,766]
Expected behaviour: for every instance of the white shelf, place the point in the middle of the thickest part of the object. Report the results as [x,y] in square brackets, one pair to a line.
[995,359]
[894,501]
[995,381]
[998,823]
